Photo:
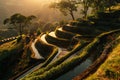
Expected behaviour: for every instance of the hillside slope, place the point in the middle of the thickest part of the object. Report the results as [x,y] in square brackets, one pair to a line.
[15,57]
[110,69]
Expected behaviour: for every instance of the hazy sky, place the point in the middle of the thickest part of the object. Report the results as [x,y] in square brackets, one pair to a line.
[25,7]
[22,5]
[39,8]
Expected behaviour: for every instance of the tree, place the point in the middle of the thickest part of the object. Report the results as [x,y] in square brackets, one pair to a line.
[86,4]
[109,3]
[97,5]
[102,5]
[66,7]
[19,21]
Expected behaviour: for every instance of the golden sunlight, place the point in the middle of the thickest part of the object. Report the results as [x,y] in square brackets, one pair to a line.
[40,1]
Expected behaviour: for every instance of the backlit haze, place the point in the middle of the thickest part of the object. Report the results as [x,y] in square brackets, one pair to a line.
[39,8]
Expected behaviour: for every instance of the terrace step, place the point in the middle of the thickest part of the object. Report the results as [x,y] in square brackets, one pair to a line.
[64,34]
[82,30]
[43,47]
[60,42]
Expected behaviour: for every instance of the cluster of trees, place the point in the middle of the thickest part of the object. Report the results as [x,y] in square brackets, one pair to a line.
[67,7]
[19,21]
[28,24]
[70,6]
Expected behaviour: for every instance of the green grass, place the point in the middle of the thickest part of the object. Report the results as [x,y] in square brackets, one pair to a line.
[64,34]
[57,62]
[110,69]
[83,30]
[53,54]
[9,48]
[57,41]
[10,53]
[55,71]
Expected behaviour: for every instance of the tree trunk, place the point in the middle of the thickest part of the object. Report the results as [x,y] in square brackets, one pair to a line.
[85,11]
[85,8]
[71,13]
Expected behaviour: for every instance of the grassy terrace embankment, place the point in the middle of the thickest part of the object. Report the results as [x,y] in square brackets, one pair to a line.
[82,30]
[58,61]
[57,41]
[9,48]
[48,50]
[92,68]
[54,72]
[63,34]
[28,60]
[44,49]
[110,69]
[15,58]
[9,52]
[50,58]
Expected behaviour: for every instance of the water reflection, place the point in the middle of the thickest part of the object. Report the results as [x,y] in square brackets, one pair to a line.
[37,54]
[43,38]
[52,34]
[60,29]
[77,70]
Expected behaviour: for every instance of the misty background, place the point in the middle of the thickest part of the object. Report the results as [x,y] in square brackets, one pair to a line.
[39,8]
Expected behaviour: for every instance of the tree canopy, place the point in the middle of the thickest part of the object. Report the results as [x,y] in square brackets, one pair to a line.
[66,7]
[19,21]
[102,5]
[97,5]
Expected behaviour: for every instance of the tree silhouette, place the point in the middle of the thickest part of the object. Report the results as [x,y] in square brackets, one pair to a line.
[66,7]
[19,21]
[102,5]
[86,4]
